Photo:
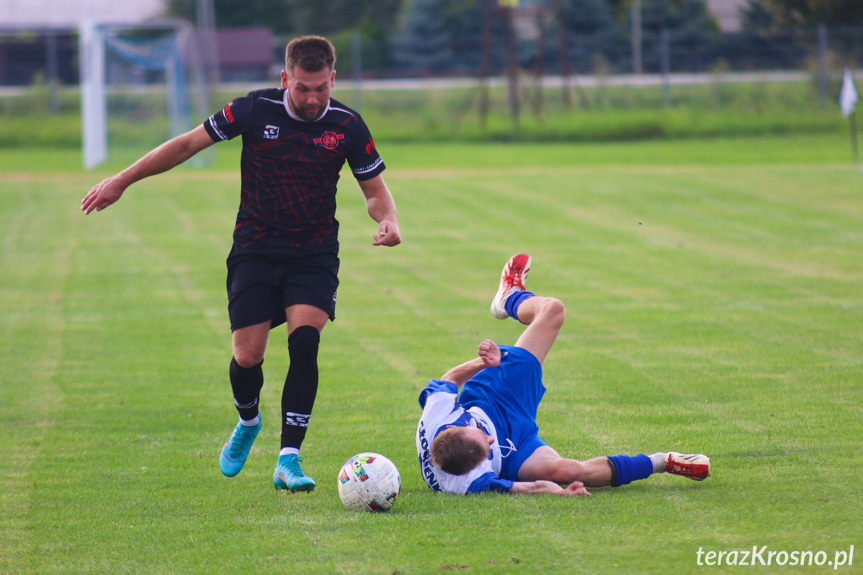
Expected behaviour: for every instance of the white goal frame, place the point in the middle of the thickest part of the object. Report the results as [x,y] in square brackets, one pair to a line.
[94,110]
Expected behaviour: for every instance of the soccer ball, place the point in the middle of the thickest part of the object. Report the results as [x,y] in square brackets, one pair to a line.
[369,482]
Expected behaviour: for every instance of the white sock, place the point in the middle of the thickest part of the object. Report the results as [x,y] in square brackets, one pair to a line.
[251,422]
[289,451]
[659,460]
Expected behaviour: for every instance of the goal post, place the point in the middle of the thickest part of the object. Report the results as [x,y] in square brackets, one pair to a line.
[140,85]
[93,109]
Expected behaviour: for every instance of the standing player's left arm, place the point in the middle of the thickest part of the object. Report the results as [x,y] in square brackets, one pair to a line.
[382,209]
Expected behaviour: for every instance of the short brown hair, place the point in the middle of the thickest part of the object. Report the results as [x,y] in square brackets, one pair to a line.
[455,453]
[311,53]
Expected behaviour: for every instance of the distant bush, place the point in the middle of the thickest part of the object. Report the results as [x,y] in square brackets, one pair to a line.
[598,113]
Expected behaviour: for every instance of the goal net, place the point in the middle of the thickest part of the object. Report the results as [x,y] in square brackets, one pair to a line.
[140,85]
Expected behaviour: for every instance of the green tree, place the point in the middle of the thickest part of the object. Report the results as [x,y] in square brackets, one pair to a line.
[677,16]
[588,17]
[338,15]
[423,44]
[296,16]
[464,21]
[755,16]
[238,13]
[589,26]
[811,12]
[690,24]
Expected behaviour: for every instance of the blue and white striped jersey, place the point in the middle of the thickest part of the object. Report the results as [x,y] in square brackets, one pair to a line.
[441,408]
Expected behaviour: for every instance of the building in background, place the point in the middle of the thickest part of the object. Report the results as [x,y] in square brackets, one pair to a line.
[248,55]
[727,13]
[66,14]
[39,40]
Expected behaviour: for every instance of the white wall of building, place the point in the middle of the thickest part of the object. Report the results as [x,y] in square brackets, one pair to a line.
[727,13]
[68,13]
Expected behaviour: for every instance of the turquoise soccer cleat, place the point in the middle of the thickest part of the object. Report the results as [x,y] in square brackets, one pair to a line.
[237,448]
[288,475]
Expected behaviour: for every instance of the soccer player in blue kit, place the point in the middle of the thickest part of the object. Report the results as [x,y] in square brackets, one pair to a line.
[283,265]
[478,428]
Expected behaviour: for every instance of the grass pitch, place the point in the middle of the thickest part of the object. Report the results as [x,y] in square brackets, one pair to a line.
[714,303]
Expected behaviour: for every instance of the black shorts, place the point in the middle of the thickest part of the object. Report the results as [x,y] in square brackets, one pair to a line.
[262,285]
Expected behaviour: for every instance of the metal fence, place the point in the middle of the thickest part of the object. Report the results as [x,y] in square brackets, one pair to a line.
[28,56]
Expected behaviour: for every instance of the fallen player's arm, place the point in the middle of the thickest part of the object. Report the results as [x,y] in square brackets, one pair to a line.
[489,356]
[542,486]
[461,373]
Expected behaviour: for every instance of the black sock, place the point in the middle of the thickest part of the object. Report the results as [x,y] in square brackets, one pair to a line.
[246,382]
[301,385]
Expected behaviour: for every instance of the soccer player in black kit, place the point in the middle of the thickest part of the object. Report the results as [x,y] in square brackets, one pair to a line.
[283,265]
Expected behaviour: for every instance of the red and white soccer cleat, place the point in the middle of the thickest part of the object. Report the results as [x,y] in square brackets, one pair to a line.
[694,466]
[511,280]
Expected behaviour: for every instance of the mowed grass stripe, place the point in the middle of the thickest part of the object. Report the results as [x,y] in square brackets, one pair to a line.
[725,322]
[34,267]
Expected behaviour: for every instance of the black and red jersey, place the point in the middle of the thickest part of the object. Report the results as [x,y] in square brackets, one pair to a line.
[290,168]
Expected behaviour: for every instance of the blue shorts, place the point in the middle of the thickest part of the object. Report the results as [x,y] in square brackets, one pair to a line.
[510,394]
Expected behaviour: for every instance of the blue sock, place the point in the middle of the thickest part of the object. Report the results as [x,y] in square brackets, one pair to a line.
[629,468]
[513,301]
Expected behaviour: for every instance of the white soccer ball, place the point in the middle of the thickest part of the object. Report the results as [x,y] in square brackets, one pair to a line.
[369,482]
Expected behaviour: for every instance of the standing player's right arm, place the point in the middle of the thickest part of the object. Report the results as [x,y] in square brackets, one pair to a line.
[169,155]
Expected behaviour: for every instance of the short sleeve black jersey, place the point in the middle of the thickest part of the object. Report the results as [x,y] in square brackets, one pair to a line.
[290,168]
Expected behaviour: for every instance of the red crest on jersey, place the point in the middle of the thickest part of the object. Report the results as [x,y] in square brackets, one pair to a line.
[228,115]
[329,140]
